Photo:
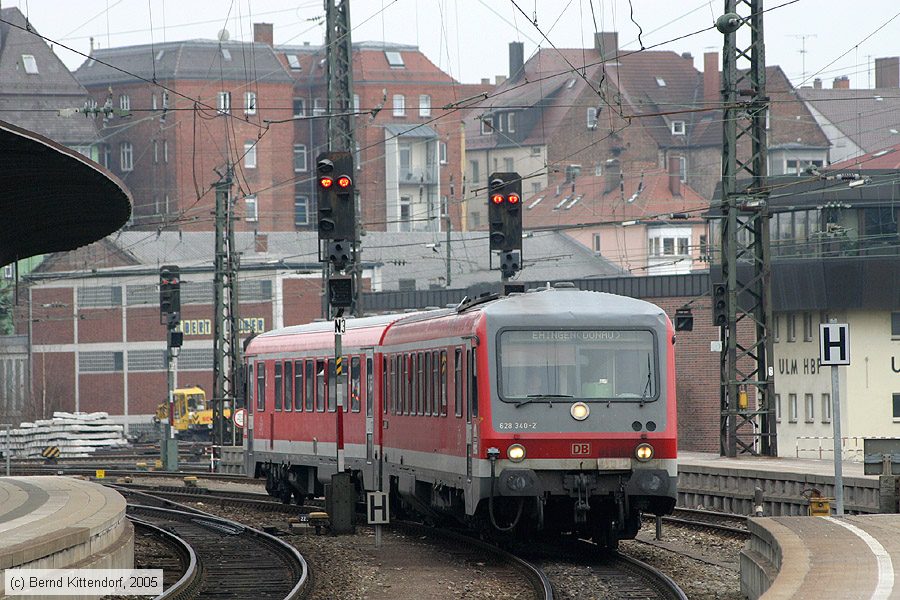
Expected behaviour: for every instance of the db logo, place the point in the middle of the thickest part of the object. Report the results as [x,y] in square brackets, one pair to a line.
[581,449]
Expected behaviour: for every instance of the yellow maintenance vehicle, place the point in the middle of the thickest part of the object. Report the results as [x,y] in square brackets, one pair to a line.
[193,418]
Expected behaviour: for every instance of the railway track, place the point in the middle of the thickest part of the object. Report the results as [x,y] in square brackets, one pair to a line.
[726,523]
[222,548]
[180,572]
[63,469]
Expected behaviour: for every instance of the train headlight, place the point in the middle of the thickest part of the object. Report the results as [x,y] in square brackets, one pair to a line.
[643,452]
[516,452]
[579,411]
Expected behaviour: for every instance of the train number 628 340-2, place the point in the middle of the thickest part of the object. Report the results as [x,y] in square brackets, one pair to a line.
[511,426]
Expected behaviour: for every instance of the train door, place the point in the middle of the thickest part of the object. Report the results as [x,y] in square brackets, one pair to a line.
[371,448]
[471,412]
[249,383]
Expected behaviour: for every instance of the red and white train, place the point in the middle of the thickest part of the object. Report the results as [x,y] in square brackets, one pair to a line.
[552,410]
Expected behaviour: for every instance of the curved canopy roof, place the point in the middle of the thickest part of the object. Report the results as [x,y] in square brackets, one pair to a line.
[53,199]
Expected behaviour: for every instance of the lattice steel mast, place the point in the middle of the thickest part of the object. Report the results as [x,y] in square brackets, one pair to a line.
[745,368]
[227,386]
[339,73]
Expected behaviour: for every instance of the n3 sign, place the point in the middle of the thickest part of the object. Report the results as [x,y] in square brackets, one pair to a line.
[834,344]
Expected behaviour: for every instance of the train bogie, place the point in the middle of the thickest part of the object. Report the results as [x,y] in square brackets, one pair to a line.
[548,411]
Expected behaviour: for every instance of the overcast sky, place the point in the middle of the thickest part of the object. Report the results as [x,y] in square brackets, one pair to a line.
[469,38]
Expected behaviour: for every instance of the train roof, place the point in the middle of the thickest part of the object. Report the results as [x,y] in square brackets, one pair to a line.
[570,300]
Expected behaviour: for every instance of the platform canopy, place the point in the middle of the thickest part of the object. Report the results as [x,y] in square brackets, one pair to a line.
[52,198]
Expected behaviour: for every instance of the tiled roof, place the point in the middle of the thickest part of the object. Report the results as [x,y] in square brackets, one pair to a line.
[885,158]
[191,59]
[641,192]
[32,100]
[547,255]
[870,118]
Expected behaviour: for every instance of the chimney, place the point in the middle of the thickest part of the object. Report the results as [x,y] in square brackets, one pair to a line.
[606,43]
[675,175]
[485,81]
[817,83]
[261,243]
[687,56]
[841,83]
[887,72]
[516,59]
[498,79]
[712,88]
[612,175]
[263,34]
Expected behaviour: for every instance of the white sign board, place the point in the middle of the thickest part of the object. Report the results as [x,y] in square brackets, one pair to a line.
[340,326]
[834,344]
[378,508]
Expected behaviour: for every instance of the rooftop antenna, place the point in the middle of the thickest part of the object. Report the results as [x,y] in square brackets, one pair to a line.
[802,37]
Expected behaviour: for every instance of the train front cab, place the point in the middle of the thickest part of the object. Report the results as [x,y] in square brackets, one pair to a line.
[579,433]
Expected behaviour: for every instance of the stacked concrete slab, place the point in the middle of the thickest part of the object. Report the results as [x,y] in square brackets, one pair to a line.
[75,434]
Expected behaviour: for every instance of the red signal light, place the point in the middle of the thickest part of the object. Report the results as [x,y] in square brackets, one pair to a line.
[344,181]
[497,198]
[513,198]
[326,182]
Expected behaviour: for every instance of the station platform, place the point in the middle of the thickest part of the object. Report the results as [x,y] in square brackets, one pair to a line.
[728,484]
[61,522]
[822,557]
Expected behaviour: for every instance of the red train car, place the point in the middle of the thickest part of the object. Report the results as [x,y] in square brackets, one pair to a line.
[552,410]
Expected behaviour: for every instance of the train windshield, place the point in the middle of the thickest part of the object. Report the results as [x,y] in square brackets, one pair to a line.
[595,364]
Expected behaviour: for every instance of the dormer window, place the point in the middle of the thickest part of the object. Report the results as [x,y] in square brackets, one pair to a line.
[226,54]
[486,126]
[30,64]
[394,60]
[660,82]
[677,127]
[293,62]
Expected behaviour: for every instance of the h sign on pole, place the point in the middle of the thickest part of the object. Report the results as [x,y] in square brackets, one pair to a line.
[377,508]
[834,344]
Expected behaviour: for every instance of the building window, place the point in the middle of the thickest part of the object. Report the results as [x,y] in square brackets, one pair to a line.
[508,165]
[394,59]
[405,223]
[776,328]
[677,127]
[778,408]
[810,402]
[476,176]
[597,243]
[682,168]
[125,102]
[252,208]
[165,151]
[792,408]
[293,62]
[153,103]
[442,151]
[399,105]
[250,103]
[30,64]
[299,158]
[807,327]
[511,122]
[250,155]
[895,324]
[106,155]
[299,107]
[791,327]
[301,210]
[897,407]
[155,152]
[355,102]
[826,408]
[126,156]
[487,127]
[318,107]
[224,102]
[592,117]
[424,105]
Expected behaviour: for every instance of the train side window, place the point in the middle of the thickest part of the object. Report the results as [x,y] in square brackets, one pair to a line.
[473,379]
[248,381]
[310,385]
[288,385]
[395,383]
[261,386]
[370,385]
[332,388]
[422,383]
[354,384]
[320,385]
[429,393]
[298,385]
[468,386]
[457,382]
[278,389]
[389,402]
[408,376]
[443,383]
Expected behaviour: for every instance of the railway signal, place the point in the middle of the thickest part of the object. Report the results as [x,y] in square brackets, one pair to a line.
[335,196]
[169,292]
[505,211]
